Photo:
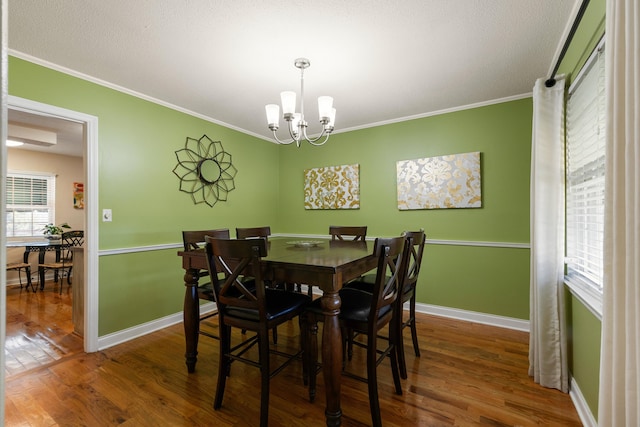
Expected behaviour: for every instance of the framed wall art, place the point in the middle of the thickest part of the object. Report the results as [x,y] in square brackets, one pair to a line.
[444,182]
[332,187]
[78,195]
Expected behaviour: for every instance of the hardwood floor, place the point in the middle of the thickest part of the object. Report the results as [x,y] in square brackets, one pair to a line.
[39,328]
[469,374]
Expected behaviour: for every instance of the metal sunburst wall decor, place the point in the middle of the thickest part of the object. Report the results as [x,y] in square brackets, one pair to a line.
[205,170]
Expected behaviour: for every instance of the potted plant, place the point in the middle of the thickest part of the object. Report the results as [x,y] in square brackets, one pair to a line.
[54,232]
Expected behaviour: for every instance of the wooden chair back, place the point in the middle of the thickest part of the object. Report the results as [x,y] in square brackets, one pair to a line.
[194,239]
[417,241]
[355,233]
[253,232]
[229,261]
[392,259]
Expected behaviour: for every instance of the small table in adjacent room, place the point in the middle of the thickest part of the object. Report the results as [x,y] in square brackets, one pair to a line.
[42,247]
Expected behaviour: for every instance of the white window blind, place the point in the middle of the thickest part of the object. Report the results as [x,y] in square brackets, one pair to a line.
[585,141]
[30,203]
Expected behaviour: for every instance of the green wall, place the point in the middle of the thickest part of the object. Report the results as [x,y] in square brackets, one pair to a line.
[483,279]
[500,132]
[584,350]
[136,154]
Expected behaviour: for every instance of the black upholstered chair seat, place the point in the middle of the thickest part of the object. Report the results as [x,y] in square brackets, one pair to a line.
[278,303]
[205,291]
[355,307]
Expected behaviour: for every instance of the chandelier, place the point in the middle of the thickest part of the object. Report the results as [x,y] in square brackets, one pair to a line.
[296,121]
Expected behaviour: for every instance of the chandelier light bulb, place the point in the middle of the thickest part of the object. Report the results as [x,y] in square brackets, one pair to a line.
[273,115]
[288,102]
[332,118]
[325,104]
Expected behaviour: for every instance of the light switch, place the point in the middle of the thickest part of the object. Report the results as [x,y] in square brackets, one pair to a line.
[106,215]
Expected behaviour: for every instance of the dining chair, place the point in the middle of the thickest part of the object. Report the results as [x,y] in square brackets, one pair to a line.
[265,232]
[253,232]
[416,245]
[19,266]
[193,240]
[257,311]
[345,233]
[257,233]
[340,232]
[366,313]
[63,265]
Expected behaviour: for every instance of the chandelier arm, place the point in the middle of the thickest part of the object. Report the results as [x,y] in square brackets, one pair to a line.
[312,140]
[302,94]
[295,136]
[280,141]
[317,144]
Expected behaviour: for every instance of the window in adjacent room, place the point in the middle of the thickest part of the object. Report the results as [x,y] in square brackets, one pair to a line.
[585,140]
[30,203]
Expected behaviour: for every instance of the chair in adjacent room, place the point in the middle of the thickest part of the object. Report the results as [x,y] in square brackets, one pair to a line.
[416,245]
[63,265]
[340,232]
[193,240]
[19,266]
[366,313]
[257,311]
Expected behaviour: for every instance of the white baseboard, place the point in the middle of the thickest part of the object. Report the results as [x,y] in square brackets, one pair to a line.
[584,412]
[473,316]
[137,331]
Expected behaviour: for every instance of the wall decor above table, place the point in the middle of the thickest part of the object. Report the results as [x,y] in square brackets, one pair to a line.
[332,187]
[443,182]
[205,170]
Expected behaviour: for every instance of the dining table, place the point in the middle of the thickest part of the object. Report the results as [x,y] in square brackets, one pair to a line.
[41,247]
[323,263]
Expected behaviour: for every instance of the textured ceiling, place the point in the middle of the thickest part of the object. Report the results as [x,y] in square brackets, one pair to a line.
[382,61]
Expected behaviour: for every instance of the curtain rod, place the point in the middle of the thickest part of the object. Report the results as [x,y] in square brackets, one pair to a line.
[552,81]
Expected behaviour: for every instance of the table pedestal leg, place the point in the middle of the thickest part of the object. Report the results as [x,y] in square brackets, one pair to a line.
[332,357]
[191,318]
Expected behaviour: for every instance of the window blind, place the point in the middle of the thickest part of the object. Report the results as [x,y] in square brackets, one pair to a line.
[30,203]
[585,148]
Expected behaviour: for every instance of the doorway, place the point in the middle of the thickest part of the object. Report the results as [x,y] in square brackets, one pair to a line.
[35,111]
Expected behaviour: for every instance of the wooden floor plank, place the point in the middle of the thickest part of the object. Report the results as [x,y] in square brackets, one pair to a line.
[468,375]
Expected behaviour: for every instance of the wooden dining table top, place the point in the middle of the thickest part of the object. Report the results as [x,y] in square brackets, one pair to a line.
[313,261]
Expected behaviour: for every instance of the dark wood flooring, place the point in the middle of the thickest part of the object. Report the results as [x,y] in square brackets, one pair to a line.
[469,375]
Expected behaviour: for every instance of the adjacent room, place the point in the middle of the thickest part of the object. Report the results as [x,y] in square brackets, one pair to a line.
[320,213]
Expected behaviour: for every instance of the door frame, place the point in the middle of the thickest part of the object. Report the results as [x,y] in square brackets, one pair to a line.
[90,149]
